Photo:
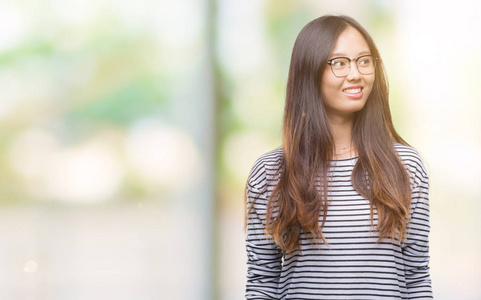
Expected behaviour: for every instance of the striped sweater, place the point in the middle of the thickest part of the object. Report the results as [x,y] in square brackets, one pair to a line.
[352,265]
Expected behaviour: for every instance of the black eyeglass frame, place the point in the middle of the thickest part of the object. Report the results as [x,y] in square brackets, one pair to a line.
[374,58]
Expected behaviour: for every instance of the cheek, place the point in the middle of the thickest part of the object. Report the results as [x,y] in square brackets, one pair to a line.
[329,91]
[370,84]
[330,83]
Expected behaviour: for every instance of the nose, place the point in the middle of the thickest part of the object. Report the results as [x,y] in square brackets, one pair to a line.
[353,74]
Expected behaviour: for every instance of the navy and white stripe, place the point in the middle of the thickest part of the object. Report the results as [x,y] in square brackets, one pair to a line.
[352,265]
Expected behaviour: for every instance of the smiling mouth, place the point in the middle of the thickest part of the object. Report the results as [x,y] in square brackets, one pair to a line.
[352,91]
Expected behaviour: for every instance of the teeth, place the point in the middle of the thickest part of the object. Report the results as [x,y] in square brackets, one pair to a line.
[352,91]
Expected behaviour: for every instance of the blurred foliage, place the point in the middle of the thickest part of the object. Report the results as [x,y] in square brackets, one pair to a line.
[77,82]
[136,99]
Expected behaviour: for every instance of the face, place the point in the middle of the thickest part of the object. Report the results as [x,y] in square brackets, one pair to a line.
[343,96]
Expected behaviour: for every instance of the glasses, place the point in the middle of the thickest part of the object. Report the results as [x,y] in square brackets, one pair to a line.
[341,66]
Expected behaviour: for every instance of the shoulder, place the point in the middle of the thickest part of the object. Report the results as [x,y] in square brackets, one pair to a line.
[265,170]
[409,156]
[413,162]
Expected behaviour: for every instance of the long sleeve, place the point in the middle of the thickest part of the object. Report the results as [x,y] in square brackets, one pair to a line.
[263,256]
[416,249]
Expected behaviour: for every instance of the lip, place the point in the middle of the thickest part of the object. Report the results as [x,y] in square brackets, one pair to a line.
[353,96]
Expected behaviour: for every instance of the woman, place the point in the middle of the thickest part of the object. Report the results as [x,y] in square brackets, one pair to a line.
[341,210]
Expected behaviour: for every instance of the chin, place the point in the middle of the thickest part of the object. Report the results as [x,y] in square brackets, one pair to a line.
[354,109]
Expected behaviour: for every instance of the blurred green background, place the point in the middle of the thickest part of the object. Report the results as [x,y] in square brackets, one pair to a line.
[128,129]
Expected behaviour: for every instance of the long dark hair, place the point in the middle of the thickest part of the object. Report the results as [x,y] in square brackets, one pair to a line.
[379,174]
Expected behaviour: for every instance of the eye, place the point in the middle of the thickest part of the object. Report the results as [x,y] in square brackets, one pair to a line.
[338,63]
[365,61]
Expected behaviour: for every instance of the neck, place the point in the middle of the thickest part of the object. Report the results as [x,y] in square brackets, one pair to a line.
[342,132]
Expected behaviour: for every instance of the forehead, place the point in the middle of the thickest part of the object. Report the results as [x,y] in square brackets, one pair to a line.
[350,43]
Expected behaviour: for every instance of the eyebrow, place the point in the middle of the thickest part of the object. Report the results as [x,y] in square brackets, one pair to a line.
[343,54]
